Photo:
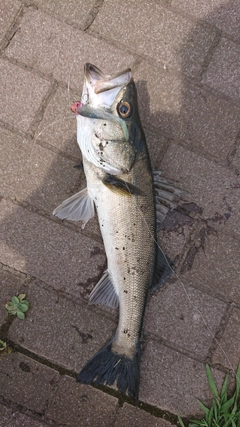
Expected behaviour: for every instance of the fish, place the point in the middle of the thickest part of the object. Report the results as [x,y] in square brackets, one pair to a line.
[129,198]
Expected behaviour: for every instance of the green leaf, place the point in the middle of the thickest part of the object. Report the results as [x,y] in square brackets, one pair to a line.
[21,297]
[209,416]
[238,381]
[20,314]
[203,407]
[23,307]
[227,405]
[180,421]
[224,390]
[211,382]
[15,300]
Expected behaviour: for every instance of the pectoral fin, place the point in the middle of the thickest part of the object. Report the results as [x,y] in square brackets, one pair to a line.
[121,187]
[104,292]
[79,207]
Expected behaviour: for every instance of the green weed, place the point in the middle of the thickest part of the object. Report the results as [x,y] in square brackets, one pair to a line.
[224,412]
[18,306]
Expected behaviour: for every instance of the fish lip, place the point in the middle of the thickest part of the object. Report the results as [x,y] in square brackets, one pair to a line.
[101,82]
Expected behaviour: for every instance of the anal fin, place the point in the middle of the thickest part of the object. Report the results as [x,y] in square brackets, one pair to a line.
[104,292]
[79,207]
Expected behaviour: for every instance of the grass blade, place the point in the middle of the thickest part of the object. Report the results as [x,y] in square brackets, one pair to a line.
[211,382]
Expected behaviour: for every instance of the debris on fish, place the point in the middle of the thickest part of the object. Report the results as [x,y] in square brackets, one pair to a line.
[124,192]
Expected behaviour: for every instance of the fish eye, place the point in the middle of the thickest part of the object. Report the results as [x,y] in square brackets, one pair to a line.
[124,109]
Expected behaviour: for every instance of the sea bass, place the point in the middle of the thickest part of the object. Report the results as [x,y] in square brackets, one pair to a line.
[120,186]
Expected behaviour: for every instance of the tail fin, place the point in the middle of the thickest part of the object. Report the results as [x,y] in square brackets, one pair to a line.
[106,367]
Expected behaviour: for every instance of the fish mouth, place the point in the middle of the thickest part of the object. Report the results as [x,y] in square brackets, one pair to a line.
[99,92]
[101,82]
[99,89]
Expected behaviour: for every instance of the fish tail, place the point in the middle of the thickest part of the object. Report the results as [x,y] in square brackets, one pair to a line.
[106,367]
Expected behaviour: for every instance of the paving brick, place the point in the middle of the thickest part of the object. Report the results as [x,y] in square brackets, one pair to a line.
[223,72]
[129,416]
[21,380]
[211,187]
[34,174]
[13,418]
[185,317]
[213,263]
[68,333]
[174,382]
[228,349]
[173,40]
[22,94]
[59,125]
[40,247]
[73,12]
[61,50]
[8,11]
[84,406]
[224,14]
[200,120]
[10,285]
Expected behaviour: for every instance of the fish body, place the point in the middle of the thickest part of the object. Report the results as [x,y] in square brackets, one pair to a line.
[120,187]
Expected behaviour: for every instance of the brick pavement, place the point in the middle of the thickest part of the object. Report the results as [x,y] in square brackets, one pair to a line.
[185,60]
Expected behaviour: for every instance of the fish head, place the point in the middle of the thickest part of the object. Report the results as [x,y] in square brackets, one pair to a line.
[107,119]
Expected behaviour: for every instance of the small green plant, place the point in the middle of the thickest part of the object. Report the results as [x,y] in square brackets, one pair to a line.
[224,412]
[4,348]
[18,306]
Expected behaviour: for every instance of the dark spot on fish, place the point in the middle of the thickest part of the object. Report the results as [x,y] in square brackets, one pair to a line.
[106,142]
[24,367]
[124,279]
[101,146]
[125,289]
[125,331]
[104,124]
[123,248]
[116,248]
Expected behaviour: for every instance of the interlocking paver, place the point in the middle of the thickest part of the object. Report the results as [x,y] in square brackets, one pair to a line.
[8,11]
[186,113]
[38,246]
[21,379]
[61,50]
[228,347]
[212,187]
[129,416]
[84,406]
[13,418]
[68,333]
[75,13]
[10,285]
[22,94]
[193,322]
[173,40]
[172,381]
[34,174]
[59,124]
[213,264]
[222,13]
[223,72]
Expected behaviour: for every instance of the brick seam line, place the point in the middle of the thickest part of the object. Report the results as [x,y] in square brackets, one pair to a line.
[93,14]
[232,153]
[14,28]
[219,333]
[45,214]
[29,413]
[154,411]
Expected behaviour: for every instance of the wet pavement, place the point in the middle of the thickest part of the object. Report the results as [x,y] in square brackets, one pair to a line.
[185,60]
